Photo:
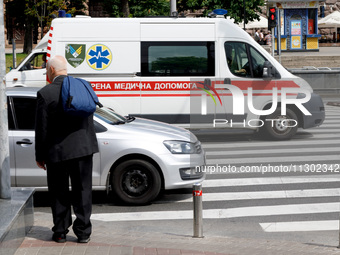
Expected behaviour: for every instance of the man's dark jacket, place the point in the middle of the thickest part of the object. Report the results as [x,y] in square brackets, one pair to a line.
[59,137]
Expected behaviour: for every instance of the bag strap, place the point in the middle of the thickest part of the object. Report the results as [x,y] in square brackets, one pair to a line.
[69,99]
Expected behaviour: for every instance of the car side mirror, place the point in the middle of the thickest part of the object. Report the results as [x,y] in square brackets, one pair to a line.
[269,71]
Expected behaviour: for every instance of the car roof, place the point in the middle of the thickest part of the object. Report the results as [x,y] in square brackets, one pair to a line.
[22,91]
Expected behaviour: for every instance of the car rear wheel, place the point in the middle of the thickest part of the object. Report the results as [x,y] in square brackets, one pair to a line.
[136,182]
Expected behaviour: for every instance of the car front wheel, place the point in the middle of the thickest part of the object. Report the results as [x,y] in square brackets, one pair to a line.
[280,127]
[136,182]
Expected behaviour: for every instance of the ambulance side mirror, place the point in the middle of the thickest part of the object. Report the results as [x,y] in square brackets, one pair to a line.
[269,71]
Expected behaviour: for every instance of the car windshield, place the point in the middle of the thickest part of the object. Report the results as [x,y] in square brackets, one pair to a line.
[109,116]
[23,61]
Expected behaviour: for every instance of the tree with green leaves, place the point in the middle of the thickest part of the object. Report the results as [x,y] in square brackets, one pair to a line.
[235,8]
[136,8]
[139,8]
[43,9]
[15,16]
[31,14]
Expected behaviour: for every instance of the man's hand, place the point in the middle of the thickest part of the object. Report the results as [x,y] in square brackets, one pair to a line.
[242,71]
[41,164]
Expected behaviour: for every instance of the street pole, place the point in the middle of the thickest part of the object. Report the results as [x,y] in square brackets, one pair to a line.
[14,54]
[273,42]
[5,177]
[173,8]
[279,35]
[244,15]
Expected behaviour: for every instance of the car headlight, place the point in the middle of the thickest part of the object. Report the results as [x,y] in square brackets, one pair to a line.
[182,147]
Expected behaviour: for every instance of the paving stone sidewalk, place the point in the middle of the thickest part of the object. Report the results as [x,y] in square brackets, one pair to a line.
[108,239]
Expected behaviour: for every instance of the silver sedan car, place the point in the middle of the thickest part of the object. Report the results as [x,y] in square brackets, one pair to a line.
[137,157]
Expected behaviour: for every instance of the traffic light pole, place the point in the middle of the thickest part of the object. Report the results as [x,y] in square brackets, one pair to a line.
[5,177]
[272,23]
[278,25]
[273,41]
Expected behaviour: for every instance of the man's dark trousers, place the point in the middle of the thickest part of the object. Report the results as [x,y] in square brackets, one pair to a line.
[79,170]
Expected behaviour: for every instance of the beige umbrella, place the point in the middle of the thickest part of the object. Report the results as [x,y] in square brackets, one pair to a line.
[262,23]
[331,20]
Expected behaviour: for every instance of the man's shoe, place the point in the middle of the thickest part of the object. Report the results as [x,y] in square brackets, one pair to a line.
[84,239]
[59,237]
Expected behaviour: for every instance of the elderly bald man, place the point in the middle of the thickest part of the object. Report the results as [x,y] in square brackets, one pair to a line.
[64,147]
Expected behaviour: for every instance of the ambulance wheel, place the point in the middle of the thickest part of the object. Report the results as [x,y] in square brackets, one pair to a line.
[280,127]
[136,182]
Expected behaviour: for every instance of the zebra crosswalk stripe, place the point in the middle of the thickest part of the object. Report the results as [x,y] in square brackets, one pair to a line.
[294,226]
[276,194]
[267,144]
[335,150]
[251,211]
[284,159]
[270,180]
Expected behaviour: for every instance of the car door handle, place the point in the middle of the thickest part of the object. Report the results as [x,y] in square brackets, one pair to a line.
[24,142]
[227,81]
[207,84]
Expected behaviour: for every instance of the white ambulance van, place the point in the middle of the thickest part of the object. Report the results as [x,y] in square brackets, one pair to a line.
[194,72]
[31,72]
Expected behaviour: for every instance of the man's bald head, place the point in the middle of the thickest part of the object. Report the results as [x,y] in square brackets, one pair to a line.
[56,66]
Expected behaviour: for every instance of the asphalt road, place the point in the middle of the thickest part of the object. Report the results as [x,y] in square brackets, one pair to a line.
[293,196]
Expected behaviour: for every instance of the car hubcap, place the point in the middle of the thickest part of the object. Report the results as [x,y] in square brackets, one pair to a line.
[135,182]
[281,125]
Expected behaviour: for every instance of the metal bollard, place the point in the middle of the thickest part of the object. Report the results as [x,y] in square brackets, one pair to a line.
[198,210]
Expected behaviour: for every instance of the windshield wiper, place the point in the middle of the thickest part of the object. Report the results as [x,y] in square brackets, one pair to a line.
[130,118]
[119,122]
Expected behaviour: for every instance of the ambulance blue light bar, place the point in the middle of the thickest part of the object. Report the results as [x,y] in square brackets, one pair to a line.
[61,13]
[220,12]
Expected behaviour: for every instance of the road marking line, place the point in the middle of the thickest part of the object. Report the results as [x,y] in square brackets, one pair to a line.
[277,160]
[272,151]
[221,213]
[334,130]
[270,180]
[272,143]
[233,196]
[295,226]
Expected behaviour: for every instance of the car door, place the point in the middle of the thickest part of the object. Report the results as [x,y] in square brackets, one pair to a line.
[245,69]
[22,147]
